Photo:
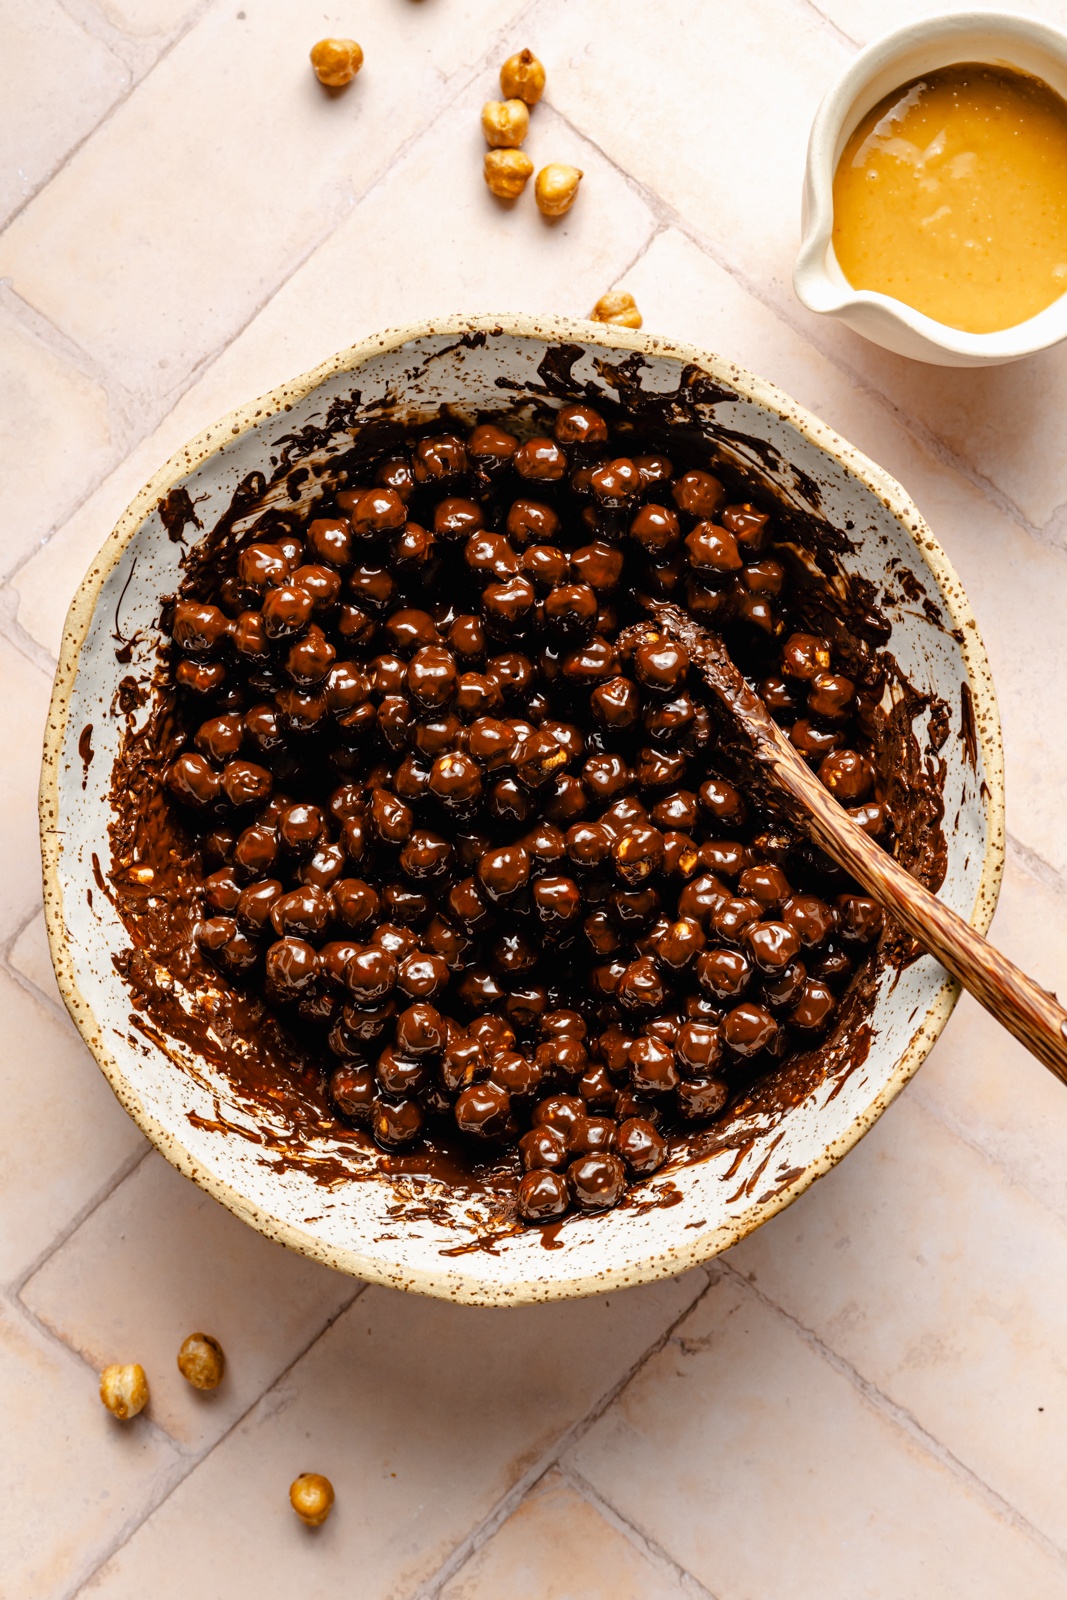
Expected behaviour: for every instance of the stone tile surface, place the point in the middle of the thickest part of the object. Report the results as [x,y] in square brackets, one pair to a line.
[159,1259]
[557,1546]
[151,247]
[947,1293]
[793,1485]
[421,1414]
[63,1135]
[199,222]
[521,263]
[71,1477]
[23,707]
[53,415]
[57,83]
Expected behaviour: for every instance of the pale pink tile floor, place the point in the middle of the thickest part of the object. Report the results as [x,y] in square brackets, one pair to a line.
[866,1399]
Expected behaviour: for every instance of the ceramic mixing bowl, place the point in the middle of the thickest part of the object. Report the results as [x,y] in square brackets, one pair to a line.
[398,1231]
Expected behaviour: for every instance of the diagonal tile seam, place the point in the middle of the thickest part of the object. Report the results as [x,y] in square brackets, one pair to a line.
[1049,536]
[8,967]
[815,11]
[494,1519]
[113,1181]
[135,52]
[18,1308]
[656,1554]
[452,88]
[20,639]
[50,336]
[902,1419]
[135,80]
[190,1460]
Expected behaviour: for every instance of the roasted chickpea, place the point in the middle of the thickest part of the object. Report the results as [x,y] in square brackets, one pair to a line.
[311,1497]
[617,307]
[556,188]
[505,123]
[507,172]
[522,77]
[201,1361]
[124,1389]
[336,61]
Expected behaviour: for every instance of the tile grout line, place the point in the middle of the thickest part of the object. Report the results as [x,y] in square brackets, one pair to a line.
[133,84]
[124,1170]
[905,1422]
[656,1553]
[509,1502]
[812,9]
[190,1461]
[170,401]
[783,311]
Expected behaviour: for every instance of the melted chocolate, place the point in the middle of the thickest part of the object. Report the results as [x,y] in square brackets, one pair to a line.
[273,1060]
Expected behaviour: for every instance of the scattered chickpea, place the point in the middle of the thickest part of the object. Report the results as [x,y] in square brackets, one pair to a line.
[522,77]
[507,172]
[336,61]
[505,123]
[556,188]
[124,1390]
[201,1361]
[619,308]
[311,1497]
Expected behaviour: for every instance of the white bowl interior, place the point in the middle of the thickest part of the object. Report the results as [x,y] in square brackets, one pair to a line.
[192,1112]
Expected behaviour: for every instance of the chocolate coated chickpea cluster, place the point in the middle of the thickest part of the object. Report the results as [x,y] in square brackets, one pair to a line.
[459,811]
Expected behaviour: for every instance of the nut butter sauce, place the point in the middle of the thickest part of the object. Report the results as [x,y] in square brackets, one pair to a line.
[951,196]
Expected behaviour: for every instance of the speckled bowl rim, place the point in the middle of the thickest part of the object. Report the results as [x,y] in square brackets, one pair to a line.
[676,1255]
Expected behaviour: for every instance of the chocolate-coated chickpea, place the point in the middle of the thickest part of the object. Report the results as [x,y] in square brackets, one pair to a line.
[261,566]
[641,987]
[543,1149]
[723,974]
[439,458]
[545,565]
[638,852]
[712,550]
[772,945]
[558,903]
[395,1123]
[422,976]
[425,854]
[616,703]
[483,1111]
[529,521]
[641,1146]
[860,918]
[813,920]
[291,968]
[353,1090]
[748,1028]
[656,529]
[679,944]
[503,871]
[848,775]
[831,696]
[491,443]
[619,308]
[244,783]
[505,123]
[220,737]
[615,482]
[370,976]
[543,1196]
[330,540]
[522,77]
[698,1047]
[782,987]
[813,741]
[198,628]
[540,460]
[193,779]
[747,524]
[814,1007]
[355,901]
[599,565]
[202,677]
[653,1068]
[556,188]
[700,1098]
[570,607]
[805,656]
[661,664]
[509,603]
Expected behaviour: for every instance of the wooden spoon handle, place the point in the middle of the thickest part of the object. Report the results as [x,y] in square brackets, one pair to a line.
[1034,1016]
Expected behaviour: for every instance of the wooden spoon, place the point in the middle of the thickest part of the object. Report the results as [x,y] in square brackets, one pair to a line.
[1019,1004]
